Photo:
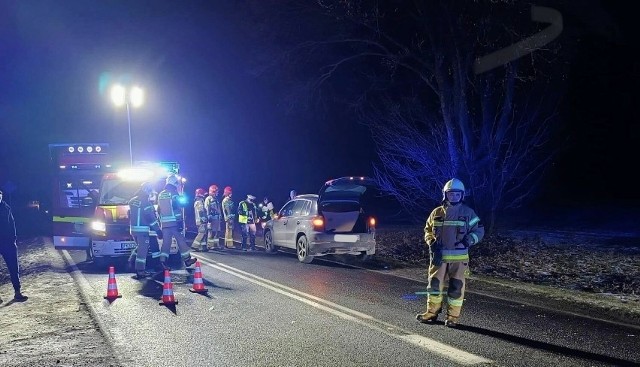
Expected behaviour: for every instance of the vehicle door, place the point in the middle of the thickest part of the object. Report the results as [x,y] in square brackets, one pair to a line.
[279,224]
[296,220]
[346,203]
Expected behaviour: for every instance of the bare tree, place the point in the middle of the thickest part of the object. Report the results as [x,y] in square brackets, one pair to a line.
[420,74]
[490,130]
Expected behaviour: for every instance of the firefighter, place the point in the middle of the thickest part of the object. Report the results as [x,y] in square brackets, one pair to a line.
[212,206]
[171,221]
[265,212]
[450,230]
[154,245]
[142,220]
[229,216]
[199,243]
[247,216]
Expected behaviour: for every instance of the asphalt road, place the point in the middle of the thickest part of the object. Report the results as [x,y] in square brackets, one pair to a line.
[271,310]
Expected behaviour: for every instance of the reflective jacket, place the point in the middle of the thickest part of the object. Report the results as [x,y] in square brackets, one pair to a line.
[265,211]
[450,231]
[247,212]
[169,209]
[142,215]
[212,206]
[199,210]
[227,208]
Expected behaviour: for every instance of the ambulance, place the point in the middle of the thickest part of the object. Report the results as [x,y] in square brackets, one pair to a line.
[110,237]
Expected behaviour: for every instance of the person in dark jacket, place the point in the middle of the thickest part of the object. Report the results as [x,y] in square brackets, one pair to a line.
[9,247]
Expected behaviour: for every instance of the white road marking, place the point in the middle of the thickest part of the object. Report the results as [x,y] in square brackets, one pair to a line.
[457,355]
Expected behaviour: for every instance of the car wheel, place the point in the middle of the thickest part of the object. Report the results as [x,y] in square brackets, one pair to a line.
[363,257]
[302,249]
[268,243]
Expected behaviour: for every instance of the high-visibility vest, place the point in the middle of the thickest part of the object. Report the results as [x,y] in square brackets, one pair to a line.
[243,212]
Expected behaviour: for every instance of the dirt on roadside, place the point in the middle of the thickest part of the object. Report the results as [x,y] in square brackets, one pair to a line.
[53,327]
[598,277]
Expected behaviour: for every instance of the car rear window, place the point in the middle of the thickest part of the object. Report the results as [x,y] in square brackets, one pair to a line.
[344,192]
[340,206]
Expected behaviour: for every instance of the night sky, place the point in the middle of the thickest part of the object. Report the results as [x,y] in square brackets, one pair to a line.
[195,60]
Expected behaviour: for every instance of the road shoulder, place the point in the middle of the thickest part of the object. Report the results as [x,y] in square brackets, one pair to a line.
[54,326]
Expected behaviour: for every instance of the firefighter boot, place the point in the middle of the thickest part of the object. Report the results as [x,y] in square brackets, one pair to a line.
[427,317]
[451,321]
[190,261]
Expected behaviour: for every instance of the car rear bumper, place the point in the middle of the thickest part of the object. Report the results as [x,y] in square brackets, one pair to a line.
[354,244]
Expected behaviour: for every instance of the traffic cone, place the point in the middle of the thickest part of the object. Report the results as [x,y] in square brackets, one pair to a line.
[167,291]
[198,284]
[112,286]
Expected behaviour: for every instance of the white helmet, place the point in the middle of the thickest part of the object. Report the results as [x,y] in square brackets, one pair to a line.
[453,185]
[251,198]
[172,180]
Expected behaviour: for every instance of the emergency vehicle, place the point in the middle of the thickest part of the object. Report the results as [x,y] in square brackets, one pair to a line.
[76,172]
[110,237]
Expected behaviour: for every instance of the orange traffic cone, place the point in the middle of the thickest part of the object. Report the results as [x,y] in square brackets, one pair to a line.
[167,291]
[112,286]
[198,284]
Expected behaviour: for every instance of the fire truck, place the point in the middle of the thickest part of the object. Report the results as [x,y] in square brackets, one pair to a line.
[76,172]
[110,237]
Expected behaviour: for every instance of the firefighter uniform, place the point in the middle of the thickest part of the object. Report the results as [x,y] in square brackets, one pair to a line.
[247,217]
[171,221]
[212,206]
[142,219]
[199,243]
[449,232]
[229,216]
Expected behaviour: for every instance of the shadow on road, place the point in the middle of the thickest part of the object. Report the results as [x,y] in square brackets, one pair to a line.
[549,347]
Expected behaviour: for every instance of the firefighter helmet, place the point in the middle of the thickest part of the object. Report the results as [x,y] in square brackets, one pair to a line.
[227,190]
[251,198]
[453,185]
[200,192]
[213,189]
[172,180]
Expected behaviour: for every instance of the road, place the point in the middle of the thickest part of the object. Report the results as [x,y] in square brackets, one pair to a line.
[271,310]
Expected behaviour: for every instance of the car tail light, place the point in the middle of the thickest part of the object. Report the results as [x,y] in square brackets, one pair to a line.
[318,223]
[372,224]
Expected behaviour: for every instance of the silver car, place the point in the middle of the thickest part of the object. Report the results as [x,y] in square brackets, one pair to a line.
[335,221]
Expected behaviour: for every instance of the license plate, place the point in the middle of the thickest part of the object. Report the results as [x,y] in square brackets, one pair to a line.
[128,245]
[346,238]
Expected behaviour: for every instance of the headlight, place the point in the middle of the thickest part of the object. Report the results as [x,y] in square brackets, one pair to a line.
[98,226]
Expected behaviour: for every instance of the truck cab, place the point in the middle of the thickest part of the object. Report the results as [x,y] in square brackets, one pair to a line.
[110,237]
